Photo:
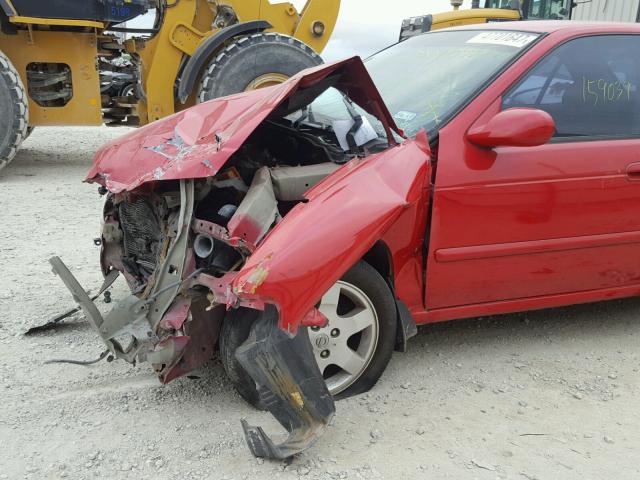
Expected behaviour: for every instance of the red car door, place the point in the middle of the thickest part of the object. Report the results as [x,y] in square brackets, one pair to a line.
[521,222]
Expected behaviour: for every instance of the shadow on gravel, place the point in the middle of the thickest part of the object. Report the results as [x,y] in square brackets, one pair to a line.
[72,325]
[557,325]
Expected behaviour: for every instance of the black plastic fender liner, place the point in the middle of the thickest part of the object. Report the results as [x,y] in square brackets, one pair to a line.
[290,386]
[407,327]
[206,49]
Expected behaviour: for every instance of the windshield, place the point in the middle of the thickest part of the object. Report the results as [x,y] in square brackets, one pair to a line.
[423,81]
[426,78]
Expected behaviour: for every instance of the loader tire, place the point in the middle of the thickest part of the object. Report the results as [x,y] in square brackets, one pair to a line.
[14,117]
[255,61]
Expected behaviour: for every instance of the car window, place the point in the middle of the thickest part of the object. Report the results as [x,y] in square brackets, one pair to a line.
[589,86]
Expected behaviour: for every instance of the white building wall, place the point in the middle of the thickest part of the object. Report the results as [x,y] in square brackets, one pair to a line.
[607,10]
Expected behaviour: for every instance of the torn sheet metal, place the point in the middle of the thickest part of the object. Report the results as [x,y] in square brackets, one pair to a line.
[176,315]
[220,233]
[201,330]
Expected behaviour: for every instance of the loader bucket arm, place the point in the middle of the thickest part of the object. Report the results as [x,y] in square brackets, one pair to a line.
[317,21]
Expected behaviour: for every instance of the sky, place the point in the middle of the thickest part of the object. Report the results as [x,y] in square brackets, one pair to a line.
[366,26]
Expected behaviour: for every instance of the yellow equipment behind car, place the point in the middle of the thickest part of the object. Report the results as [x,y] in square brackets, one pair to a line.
[82,62]
[493,11]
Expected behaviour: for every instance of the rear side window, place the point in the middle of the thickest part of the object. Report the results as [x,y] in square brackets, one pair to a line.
[588,85]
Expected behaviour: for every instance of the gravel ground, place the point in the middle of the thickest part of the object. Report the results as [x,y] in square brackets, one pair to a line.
[542,395]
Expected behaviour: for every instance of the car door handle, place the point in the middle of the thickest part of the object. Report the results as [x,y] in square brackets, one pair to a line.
[633,171]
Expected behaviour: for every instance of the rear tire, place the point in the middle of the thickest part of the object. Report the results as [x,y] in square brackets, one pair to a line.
[14,119]
[258,60]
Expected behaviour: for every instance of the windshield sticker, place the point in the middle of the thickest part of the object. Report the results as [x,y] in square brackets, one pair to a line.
[509,39]
[404,117]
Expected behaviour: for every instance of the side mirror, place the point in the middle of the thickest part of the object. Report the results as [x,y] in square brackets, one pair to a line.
[515,127]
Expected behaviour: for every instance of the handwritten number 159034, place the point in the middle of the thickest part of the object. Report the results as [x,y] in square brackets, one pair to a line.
[597,92]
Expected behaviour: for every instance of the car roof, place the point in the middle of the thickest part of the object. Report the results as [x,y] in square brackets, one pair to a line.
[550,26]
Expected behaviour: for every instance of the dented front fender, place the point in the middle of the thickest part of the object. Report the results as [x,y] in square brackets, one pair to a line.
[319,240]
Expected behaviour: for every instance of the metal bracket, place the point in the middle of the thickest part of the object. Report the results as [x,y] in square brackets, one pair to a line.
[171,271]
[108,281]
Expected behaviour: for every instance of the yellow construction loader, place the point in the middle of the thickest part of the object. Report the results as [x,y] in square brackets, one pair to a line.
[492,11]
[88,62]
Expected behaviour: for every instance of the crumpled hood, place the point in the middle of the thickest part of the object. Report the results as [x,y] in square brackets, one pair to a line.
[197,142]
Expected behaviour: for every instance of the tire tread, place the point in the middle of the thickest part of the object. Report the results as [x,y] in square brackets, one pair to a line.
[216,69]
[9,76]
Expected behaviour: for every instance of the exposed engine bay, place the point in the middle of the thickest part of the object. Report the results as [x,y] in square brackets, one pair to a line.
[233,210]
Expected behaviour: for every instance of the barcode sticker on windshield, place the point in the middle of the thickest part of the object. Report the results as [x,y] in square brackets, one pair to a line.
[510,39]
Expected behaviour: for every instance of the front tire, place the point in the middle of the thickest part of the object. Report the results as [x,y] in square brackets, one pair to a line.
[355,347]
[14,119]
[235,330]
[256,61]
[359,338]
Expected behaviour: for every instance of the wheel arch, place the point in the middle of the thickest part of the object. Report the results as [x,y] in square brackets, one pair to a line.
[379,257]
[207,49]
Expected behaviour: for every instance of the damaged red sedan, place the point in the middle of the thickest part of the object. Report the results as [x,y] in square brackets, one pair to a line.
[305,229]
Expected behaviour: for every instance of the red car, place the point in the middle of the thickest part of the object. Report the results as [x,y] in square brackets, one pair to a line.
[495,168]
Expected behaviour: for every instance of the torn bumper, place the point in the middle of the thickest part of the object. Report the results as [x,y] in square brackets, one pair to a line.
[290,386]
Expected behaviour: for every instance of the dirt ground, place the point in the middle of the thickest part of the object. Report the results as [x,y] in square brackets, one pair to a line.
[545,395]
